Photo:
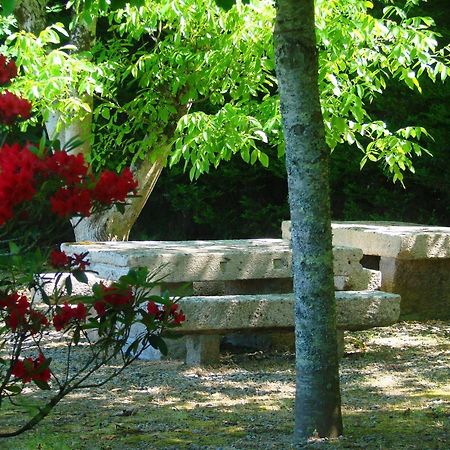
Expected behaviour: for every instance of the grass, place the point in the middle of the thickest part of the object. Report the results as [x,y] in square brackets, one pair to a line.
[395,395]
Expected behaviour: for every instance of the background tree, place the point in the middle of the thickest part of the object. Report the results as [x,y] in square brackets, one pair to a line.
[187,81]
[317,400]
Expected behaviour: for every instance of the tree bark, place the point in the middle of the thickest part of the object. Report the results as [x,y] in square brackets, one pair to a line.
[317,402]
[30,15]
[113,225]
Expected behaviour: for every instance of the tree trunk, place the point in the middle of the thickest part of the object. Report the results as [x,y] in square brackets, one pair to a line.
[110,225]
[30,15]
[317,402]
[114,226]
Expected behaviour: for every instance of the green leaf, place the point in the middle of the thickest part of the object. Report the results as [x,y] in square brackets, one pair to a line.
[14,249]
[263,159]
[68,285]
[76,336]
[158,343]
[42,385]
[14,389]
[7,7]
[80,276]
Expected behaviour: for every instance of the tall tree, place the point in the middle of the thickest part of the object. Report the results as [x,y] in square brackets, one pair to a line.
[317,402]
[182,80]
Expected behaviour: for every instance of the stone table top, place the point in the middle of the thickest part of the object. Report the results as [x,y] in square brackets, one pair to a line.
[390,239]
[184,261]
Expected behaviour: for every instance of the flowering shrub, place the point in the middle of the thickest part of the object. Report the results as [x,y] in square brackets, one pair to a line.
[40,189]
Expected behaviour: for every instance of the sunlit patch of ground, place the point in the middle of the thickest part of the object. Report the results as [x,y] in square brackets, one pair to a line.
[395,395]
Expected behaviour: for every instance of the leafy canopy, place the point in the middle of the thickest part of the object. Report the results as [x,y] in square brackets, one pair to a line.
[201,78]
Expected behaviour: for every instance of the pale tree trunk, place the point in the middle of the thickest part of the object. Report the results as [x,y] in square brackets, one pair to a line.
[113,225]
[30,15]
[110,225]
[82,37]
[317,401]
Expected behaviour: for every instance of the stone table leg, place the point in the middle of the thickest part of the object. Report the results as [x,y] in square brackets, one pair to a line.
[201,350]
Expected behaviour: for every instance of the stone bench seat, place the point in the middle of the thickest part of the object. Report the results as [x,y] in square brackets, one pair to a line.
[208,317]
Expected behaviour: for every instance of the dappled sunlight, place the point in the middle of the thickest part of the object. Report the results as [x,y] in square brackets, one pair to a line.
[249,397]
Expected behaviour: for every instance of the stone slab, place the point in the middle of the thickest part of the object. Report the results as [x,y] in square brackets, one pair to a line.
[356,310]
[390,239]
[218,260]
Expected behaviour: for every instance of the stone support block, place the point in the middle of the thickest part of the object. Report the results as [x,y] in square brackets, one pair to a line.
[202,349]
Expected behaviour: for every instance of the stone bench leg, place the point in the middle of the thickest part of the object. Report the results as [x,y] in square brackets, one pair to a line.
[202,350]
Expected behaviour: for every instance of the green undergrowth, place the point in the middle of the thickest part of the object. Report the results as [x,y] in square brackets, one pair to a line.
[395,395]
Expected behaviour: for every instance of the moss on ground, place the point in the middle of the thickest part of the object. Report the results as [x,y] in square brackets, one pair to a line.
[395,395]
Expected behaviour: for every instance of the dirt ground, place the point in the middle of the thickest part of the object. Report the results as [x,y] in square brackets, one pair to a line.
[395,386]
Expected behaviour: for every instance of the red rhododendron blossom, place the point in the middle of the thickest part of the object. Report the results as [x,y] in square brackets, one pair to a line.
[59,259]
[100,308]
[18,167]
[79,262]
[177,316]
[154,310]
[37,320]
[67,313]
[172,312]
[13,108]
[112,187]
[8,70]
[30,369]
[17,307]
[67,202]
[113,296]
[70,168]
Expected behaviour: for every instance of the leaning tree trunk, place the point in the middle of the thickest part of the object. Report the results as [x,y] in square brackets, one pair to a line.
[110,225]
[113,225]
[317,401]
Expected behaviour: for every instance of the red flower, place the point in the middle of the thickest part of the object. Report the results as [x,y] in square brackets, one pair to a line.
[67,313]
[18,167]
[30,369]
[67,202]
[113,296]
[100,307]
[37,321]
[59,259]
[79,262]
[112,187]
[117,296]
[8,70]
[80,312]
[153,309]
[19,370]
[177,316]
[70,168]
[17,307]
[13,108]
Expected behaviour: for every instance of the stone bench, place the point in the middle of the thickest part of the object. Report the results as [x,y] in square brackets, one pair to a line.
[414,261]
[220,267]
[208,317]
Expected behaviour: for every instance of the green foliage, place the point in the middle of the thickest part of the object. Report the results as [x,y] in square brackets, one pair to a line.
[200,78]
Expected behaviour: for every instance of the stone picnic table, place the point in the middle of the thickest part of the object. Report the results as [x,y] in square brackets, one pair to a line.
[243,285]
